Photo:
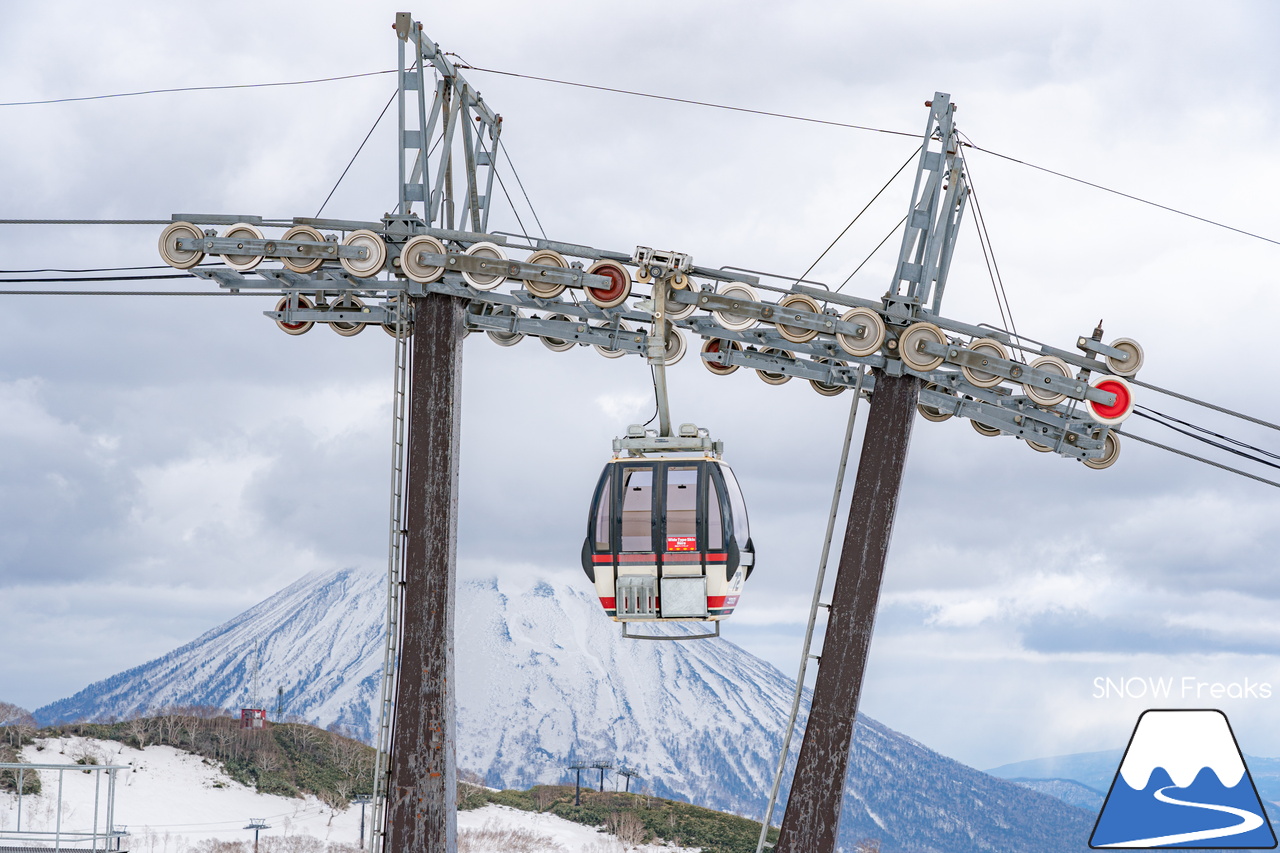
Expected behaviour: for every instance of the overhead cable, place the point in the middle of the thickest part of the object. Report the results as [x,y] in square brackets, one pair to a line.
[1129,196]
[892,231]
[1208,441]
[196,89]
[1211,432]
[507,154]
[352,161]
[904,165]
[1198,402]
[691,102]
[1201,459]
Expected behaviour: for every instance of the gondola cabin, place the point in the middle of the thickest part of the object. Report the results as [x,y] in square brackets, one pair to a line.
[667,539]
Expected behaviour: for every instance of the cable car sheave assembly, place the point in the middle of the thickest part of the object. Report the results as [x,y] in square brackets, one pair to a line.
[667,536]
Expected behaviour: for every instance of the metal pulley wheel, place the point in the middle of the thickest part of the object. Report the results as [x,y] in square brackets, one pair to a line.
[678,310]
[1117,412]
[1132,364]
[302,233]
[932,413]
[623,328]
[557,344]
[295,328]
[1110,453]
[680,280]
[1037,446]
[504,338]
[347,302]
[987,348]
[546,289]
[983,429]
[718,345]
[493,274]
[730,319]
[872,337]
[619,284]
[676,346]
[787,308]
[1039,392]
[416,269]
[912,338]
[826,389]
[375,254]
[242,231]
[182,259]
[772,377]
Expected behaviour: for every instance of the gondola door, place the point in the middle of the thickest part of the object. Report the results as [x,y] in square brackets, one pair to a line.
[682,578]
[635,534]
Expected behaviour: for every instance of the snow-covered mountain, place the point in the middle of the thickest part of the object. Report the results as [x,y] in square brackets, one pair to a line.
[545,680]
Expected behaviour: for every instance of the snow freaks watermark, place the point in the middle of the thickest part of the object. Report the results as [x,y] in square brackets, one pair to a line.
[1186,687]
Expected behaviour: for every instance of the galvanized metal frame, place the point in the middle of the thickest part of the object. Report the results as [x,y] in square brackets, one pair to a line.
[108,838]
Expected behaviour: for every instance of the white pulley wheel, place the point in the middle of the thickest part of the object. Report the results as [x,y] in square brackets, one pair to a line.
[1038,447]
[546,289]
[242,231]
[912,338]
[987,348]
[772,377]
[182,259]
[788,307]
[624,329]
[720,345]
[557,344]
[679,310]
[619,284]
[504,338]
[826,389]
[347,303]
[493,260]
[983,429]
[414,268]
[295,328]
[676,346]
[406,327]
[1110,453]
[375,256]
[306,234]
[932,413]
[1039,392]
[729,318]
[1133,363]
[872,336]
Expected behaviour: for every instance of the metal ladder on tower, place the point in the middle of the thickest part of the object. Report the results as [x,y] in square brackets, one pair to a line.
[395,558]
[806,653]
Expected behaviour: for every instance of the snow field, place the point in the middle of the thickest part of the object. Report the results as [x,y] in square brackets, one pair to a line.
[171,801]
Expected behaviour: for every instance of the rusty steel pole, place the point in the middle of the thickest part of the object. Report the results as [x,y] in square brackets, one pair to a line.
[422,789]
[812,820]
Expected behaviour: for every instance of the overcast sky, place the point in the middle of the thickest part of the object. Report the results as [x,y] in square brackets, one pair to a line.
[167,463]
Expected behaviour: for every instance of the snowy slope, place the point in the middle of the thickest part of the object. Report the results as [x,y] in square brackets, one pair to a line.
[544,680]
[171,801]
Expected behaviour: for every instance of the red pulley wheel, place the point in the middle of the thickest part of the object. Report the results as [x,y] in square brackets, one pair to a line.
[619,289]
[1123,406]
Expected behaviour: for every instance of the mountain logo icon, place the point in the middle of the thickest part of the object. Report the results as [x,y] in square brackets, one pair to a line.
[1183,783]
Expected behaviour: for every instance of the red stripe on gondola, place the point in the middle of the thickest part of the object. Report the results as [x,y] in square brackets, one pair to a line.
[682,560]
[609,603]
[637,558]
[602,558]
[717,558]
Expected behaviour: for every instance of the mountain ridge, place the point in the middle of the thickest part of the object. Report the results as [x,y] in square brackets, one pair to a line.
[545,680]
